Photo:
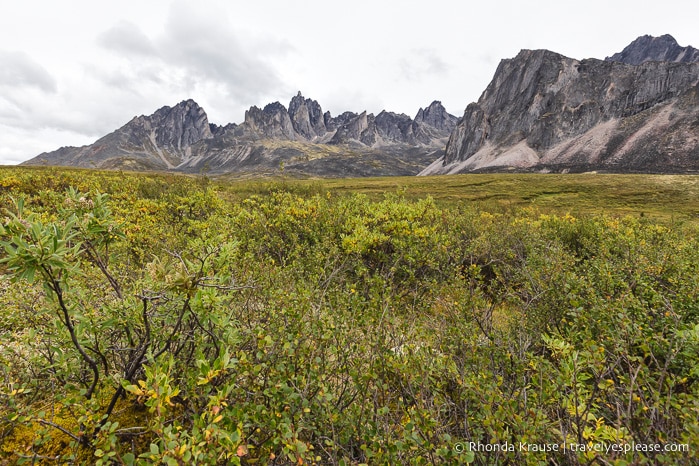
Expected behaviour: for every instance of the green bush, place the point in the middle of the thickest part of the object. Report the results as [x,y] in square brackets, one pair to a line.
[168,323]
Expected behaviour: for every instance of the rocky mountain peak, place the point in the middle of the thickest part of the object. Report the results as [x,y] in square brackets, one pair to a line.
[274,108]
[180,126]
[394,127]
[355,127]
[175,128]
[272,121]
[333,123]
[307,117]
[648,48]
[436,116]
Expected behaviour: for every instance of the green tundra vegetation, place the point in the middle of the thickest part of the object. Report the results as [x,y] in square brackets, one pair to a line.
[484,319]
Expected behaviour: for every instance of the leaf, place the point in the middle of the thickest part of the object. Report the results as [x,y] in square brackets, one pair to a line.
[128,459]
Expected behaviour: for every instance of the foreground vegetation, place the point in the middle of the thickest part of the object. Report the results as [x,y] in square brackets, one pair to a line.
[175,320]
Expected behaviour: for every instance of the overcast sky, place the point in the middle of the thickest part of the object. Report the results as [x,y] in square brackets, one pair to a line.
[72,71]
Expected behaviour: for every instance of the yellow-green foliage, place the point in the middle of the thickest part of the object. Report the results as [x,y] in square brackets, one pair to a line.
[159,319]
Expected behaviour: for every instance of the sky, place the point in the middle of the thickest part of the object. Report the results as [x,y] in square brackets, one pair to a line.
[75,70]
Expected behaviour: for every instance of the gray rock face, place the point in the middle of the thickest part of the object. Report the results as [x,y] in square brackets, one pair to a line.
[649,48]
[355,128]
[544,110]
[437,117]
[394,127]
[333,123]
[307,117]
[272,122]
[433,124]
[180,126]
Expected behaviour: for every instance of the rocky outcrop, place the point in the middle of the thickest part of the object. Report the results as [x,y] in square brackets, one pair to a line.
[393,127]
[333,123]
[271,122]
[436,116]
[179,127]
[433,125]
[307,118]
[648,48]
[544,111]
[360,128]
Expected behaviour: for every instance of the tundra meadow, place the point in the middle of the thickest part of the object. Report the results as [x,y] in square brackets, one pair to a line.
[483,319]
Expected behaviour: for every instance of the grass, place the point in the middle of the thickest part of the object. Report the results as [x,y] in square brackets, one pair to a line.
[664,198]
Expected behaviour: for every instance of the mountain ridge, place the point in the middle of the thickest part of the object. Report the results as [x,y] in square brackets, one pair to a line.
[648,48]
[543,111]
[180,138]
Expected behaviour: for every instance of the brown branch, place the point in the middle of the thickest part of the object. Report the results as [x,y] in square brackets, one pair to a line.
[175,330]
[94,256]
[62,429]
[134,364]
[55,286]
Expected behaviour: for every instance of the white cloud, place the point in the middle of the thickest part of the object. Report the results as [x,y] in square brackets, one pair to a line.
[195,55]
[195,50]
[128,39]
[208,49]
[420,63]
[19,70]
[20,144]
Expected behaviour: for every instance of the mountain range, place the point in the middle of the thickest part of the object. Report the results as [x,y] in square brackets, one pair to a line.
[635,111]
[301,140]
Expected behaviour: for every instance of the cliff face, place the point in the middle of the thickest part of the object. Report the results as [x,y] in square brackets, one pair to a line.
[179,127]
[307,118]
[273,122]
[549,112]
